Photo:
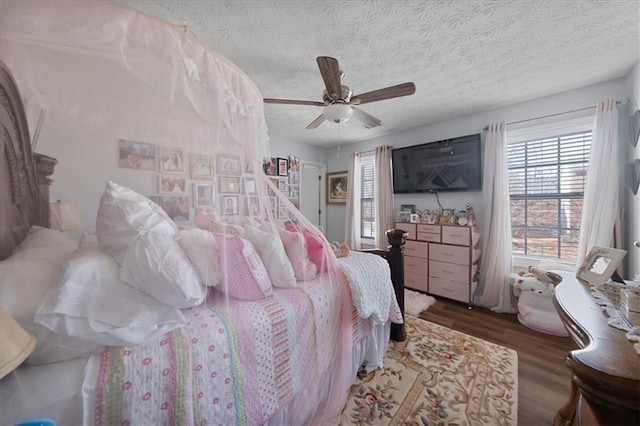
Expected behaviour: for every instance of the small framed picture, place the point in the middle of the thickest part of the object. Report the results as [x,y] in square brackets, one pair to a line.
[230,205]
[202,195]
[176,206]
[283,167]
[249,186]
[283,185]
[283,212]
[229,185]
[337,188]
[271,166]
[294,192]
[411,208]
[599,264]
[171,160]
[228,165]
[414,218]
[294,177]
[136,155]
[172,184]
[201,167]
[252,206]
[294,164]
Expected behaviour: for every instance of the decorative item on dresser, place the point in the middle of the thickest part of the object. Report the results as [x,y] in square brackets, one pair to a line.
[441,260]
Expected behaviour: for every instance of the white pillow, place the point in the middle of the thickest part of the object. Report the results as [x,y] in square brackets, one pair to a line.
[200,247]
[156,265]
[273,255]
[31,271]
[123,215]
[91,307]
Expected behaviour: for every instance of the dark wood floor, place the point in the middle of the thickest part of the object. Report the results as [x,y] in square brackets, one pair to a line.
[543,378]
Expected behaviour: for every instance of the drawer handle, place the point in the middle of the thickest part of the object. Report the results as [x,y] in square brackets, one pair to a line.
[447,272]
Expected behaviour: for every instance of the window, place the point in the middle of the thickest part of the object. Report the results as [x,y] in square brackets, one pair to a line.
[547,177]
[367,209]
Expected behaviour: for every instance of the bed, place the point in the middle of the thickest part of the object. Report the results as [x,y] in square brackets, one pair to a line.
[286,356]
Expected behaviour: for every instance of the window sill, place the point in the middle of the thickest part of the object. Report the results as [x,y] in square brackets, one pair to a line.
[521,262]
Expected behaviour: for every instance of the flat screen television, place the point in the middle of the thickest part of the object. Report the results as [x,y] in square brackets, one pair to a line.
[447,165]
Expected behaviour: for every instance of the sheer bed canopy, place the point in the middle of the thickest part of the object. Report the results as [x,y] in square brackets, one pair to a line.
[198,292]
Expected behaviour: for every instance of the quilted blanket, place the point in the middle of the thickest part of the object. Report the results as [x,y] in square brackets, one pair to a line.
[372,291]
[234,363]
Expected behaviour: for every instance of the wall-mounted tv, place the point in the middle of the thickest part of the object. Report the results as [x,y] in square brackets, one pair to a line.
[447,165]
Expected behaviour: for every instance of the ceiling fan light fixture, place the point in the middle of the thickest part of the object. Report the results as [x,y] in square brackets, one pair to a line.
[337,113]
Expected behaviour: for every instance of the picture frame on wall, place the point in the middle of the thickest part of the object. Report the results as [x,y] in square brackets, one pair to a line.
[172,184]
[203,194]
[283,167]
[230,205]
[249,186]
[252,206]
[175,206]
[171,159]
[229,184]
[271,166]
[228,165]
[136,155]
[201,167]
[337,187]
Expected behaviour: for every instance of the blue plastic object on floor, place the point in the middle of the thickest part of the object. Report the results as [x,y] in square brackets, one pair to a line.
[37,422]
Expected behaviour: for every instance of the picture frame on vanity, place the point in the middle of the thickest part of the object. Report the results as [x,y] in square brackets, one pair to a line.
[600,264]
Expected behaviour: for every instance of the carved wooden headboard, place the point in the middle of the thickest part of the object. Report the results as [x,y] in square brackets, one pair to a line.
[24,176]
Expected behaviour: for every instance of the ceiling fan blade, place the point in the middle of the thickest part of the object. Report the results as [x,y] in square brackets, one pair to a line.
[368,120]
[315,123]
[331,75]
[396,91]
[292,102]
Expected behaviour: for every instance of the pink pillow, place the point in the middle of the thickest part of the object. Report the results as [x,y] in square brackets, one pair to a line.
[204,219]
[244,276]
[315,246]
[296,248]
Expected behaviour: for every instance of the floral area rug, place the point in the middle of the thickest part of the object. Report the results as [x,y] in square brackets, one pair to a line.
[438,376]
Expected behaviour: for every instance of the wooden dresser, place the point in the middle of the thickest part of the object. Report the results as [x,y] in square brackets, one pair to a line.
[605,388]
[441,260]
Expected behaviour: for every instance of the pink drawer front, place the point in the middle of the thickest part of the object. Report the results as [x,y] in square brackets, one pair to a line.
[451,254]
[449,271]
[416,249]
[417,282]
[416,265]
[458,235]
[426,236]
[410,228]
[449,289]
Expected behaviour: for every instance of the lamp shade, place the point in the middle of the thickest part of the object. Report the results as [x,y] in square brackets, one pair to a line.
[338,113]
[64,216]
[15,344]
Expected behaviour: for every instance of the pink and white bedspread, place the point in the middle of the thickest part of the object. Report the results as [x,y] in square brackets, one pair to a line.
[234,363]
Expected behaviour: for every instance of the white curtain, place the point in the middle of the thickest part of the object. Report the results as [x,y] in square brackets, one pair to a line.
[600,203]
[383,195]
[352,218]
[496,261]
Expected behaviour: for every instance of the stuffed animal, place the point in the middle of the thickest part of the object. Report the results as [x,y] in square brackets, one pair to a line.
[530,283]
[340,250]
[544,276]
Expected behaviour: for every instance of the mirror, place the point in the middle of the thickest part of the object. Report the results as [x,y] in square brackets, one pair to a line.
[599,264]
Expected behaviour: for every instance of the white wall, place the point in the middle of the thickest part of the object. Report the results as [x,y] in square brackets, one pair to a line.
[632,203]
[284,147]
[567,101]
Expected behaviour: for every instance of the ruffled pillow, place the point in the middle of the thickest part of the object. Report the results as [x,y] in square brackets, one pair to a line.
[271,251]
[315,246]
[296,248]
[201,249]
[244,276]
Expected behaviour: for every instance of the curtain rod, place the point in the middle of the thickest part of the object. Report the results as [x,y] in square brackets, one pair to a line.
[622,102]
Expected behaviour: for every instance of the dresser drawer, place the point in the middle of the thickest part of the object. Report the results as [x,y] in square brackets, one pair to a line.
[416,249]
[449,289]
[417,282]
[451,254]
[458,235]
[425,236]
[416,265]
[409,228]
[449,271]
[429,229]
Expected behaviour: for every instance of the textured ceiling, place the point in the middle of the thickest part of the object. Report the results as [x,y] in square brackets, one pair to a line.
[463,56]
